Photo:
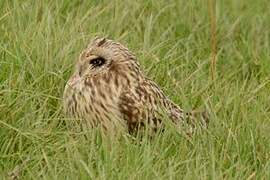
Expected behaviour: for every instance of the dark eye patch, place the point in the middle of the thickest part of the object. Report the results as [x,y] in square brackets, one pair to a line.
[97,62]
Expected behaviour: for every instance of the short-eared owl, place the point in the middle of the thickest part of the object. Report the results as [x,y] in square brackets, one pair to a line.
[109,88]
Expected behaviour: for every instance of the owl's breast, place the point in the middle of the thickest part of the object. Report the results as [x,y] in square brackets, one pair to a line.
[93,100]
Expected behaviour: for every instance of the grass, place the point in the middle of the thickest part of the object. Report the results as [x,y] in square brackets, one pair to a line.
[40,41]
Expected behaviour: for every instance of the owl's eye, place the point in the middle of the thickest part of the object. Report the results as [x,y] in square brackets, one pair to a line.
[97,62]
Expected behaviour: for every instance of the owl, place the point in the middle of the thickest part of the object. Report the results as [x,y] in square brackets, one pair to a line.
[108,88]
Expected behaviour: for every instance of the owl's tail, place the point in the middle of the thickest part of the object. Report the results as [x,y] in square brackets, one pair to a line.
[197,120]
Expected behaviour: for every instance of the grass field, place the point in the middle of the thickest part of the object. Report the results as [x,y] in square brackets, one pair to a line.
[40,41]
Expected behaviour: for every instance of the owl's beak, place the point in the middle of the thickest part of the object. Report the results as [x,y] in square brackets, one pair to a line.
[74,80]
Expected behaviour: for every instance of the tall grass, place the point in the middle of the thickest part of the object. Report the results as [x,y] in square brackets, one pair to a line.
[212,14]
[40,41]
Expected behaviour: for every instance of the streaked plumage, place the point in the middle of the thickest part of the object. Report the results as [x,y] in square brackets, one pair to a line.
[109,88]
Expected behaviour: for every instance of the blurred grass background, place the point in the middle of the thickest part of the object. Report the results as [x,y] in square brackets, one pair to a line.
[40,41]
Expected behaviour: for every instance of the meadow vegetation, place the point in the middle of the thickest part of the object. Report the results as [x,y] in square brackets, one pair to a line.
[41,40]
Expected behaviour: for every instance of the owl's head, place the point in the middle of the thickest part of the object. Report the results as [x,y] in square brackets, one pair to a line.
[103,54]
